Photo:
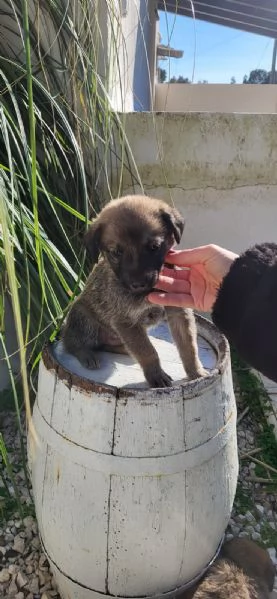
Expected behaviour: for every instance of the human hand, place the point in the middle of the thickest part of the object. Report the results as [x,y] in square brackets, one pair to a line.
[196,281]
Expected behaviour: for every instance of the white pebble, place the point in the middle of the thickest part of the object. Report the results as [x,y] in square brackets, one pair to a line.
[43,561]
[46,587]
[249,436]
[34,585]
[12,568]
[4,575]
[19,544]
[42,579]
[241,517]
[36,543]
[21,580]
[9,537]
[12,588]
[249,516]
[28,521]
[250,529]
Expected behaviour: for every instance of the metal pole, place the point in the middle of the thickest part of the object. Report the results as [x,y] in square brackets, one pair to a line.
[273,65]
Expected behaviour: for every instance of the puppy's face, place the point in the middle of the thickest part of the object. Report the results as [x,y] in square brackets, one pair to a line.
[134,234]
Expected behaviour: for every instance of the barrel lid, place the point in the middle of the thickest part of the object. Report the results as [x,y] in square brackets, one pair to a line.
[119,371]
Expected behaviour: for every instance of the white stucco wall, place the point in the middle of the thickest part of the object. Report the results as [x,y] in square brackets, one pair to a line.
[218,169]
[132,68]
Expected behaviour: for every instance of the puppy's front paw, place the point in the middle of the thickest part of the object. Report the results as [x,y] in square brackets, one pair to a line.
[197,373]
[89,360]
[156,377]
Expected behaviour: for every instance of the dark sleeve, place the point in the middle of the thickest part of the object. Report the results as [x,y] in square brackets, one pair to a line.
[246,307]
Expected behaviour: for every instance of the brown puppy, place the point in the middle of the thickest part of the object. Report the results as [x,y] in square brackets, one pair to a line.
[133,235]
[243,571]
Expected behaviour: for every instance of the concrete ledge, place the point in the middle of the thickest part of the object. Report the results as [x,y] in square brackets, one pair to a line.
[216,97]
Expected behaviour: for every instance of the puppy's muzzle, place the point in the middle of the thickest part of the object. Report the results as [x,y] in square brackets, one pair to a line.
[143,285]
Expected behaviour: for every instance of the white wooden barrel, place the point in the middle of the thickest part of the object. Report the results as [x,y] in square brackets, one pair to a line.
[133,486]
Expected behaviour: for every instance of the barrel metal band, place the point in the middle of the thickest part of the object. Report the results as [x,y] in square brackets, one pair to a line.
[111,464]
[167,595]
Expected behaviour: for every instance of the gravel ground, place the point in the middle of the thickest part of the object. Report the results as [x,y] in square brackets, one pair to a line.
[24,571]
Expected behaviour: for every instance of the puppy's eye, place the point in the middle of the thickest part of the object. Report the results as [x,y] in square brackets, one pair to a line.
[154,246]
[115,253]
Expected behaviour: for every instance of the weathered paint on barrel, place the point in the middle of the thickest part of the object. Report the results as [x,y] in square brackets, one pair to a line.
[133,486]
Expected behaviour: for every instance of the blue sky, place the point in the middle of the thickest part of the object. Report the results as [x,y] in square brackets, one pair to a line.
[219,52]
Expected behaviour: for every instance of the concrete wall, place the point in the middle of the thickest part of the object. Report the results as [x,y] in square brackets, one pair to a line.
[219,170]
[181,97]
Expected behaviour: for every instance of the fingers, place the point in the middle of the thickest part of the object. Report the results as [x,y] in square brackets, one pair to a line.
[173,273]
[177,287]
[173,285]
[189,257]
[177,300]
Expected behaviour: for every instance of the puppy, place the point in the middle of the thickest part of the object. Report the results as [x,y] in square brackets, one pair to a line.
[133,235]
[243,571]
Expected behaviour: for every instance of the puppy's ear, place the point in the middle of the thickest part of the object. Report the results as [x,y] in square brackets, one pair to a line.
[92,241]
[174,222]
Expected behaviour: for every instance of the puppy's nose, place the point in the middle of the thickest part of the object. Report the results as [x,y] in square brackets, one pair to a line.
[139,286]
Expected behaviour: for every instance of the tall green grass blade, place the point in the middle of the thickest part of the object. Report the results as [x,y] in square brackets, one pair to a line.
[63,151]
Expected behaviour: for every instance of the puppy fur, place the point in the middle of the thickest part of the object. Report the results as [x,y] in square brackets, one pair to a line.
[133,235]
[243,571]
